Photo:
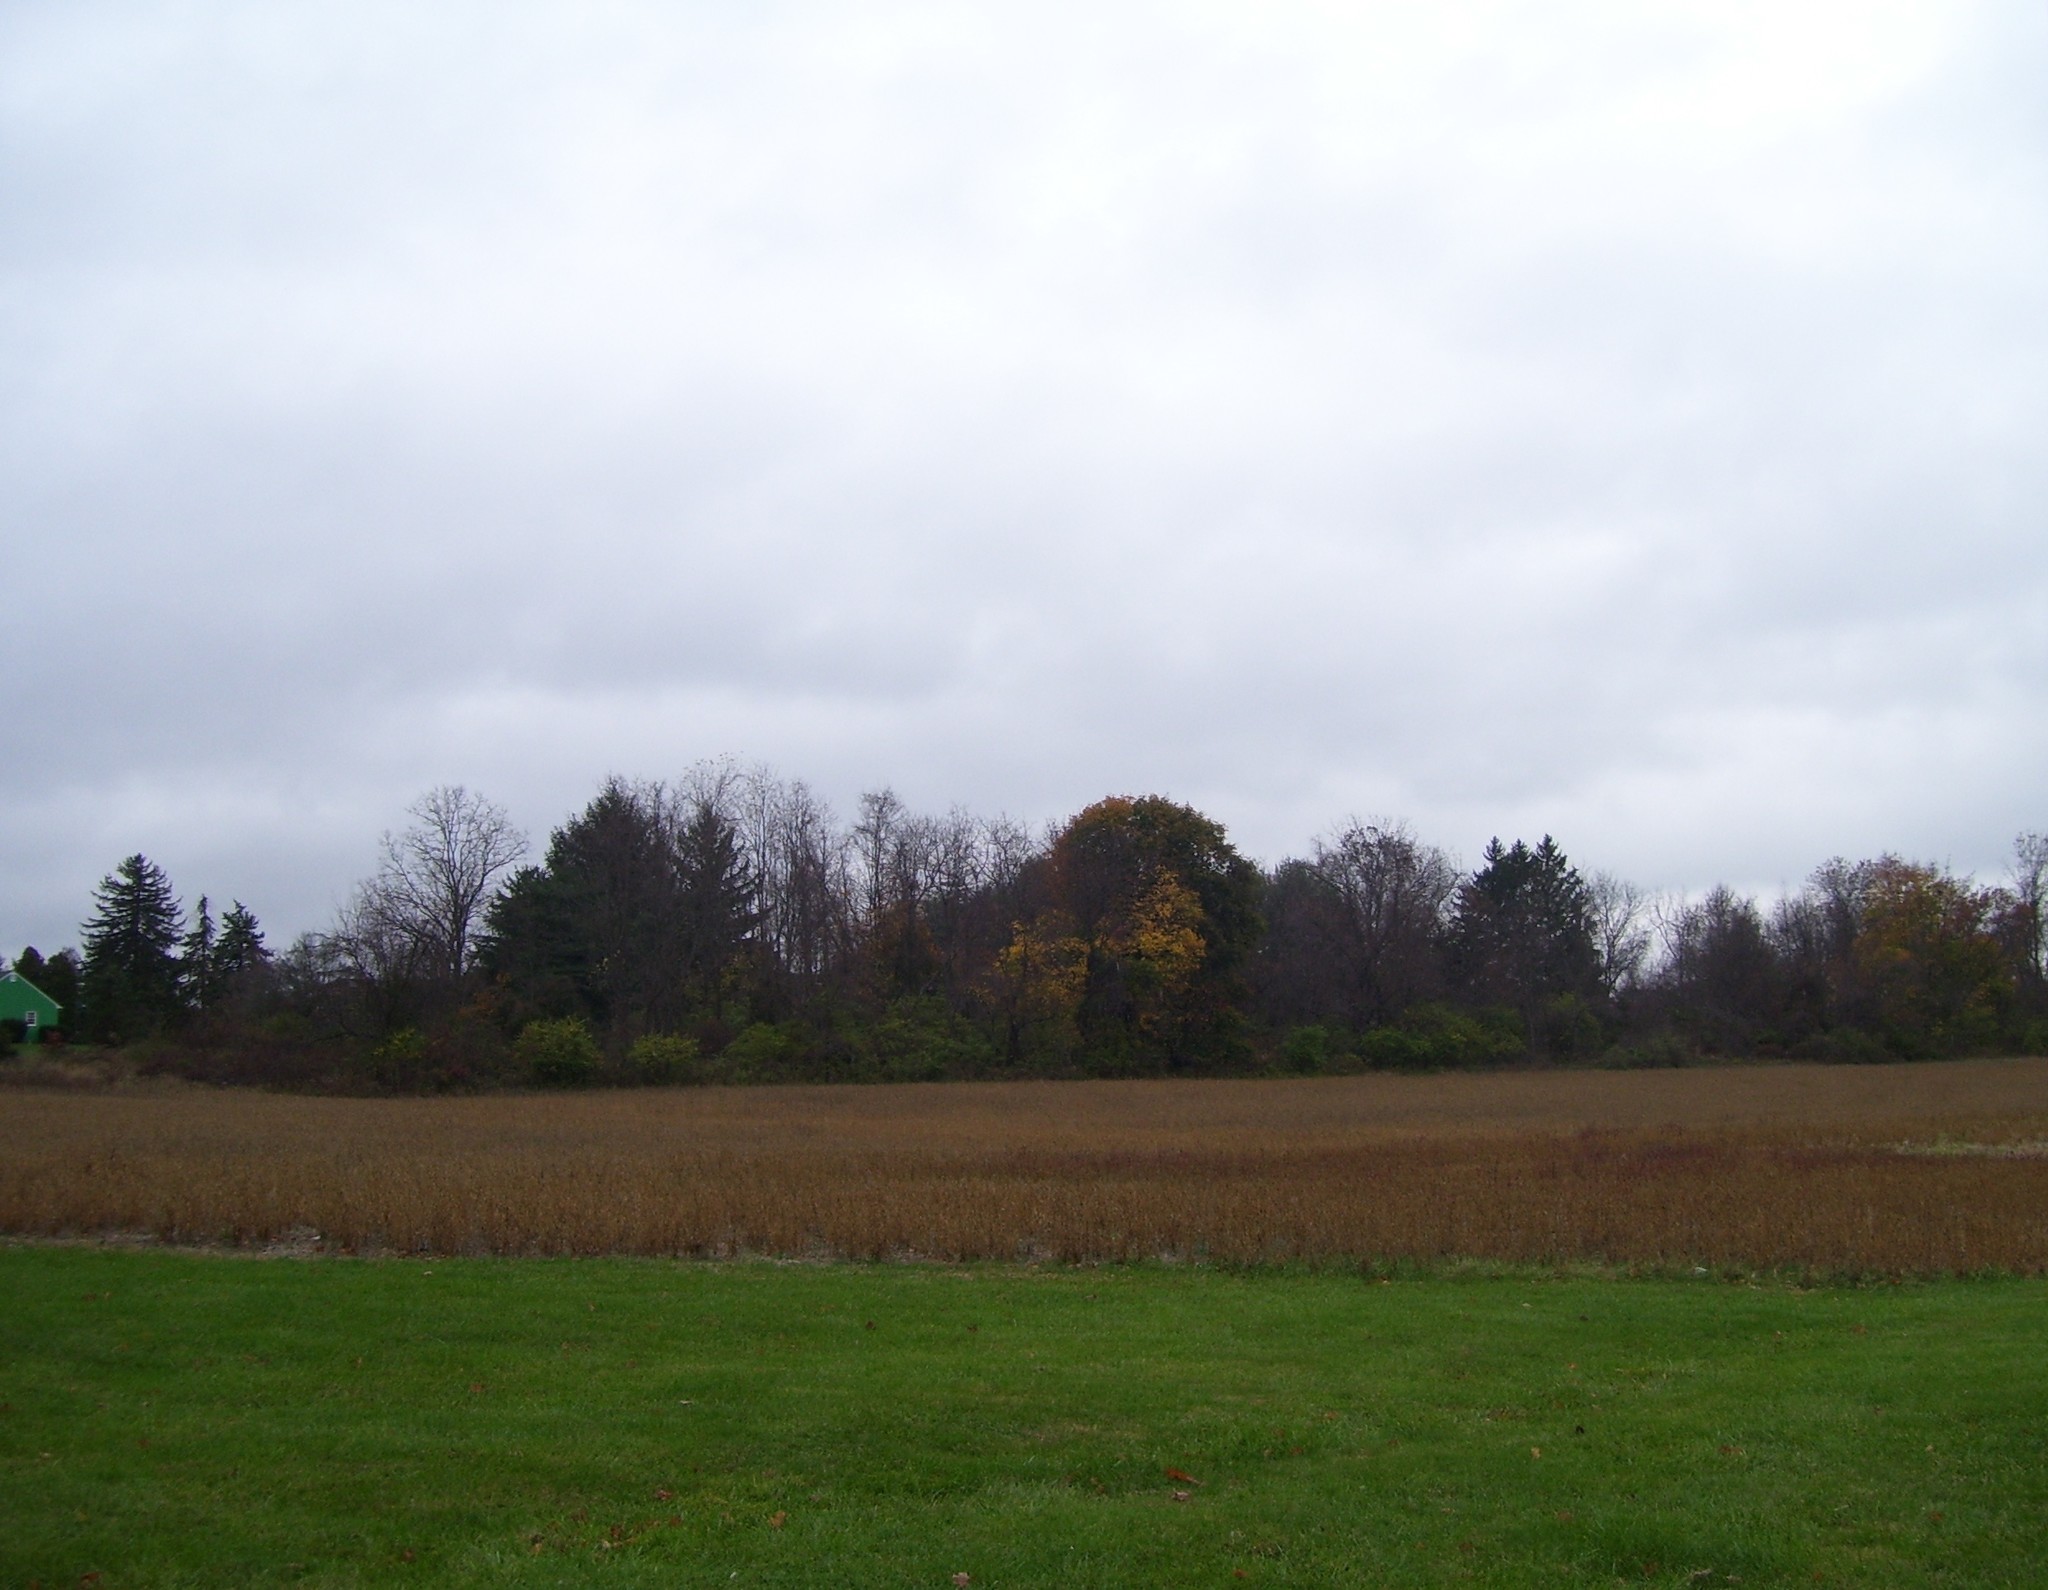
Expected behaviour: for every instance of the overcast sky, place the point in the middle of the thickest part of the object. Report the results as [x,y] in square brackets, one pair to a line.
[1624,421]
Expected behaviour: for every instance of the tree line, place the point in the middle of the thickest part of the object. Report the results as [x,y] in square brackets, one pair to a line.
[728,926]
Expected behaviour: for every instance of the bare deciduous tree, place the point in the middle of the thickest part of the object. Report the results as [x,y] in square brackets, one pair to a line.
[2030,897]
[426,903]
[1620,934]
[1392,891]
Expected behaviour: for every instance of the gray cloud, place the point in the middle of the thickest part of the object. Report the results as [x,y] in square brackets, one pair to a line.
[1618,423]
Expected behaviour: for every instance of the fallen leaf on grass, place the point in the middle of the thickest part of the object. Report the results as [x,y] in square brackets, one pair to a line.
[663,1494]
[475,1386]
[962,1580]
[1565,1516]
[778,1520]
[1183,1476]
[1182,1496]
[1535,1451]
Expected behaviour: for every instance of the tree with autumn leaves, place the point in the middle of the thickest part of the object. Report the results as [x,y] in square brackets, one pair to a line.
[1929,969]
[733,914]
[1134,958]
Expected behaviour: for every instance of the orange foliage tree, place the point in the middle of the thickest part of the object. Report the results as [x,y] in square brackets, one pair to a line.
[1136,959]
[1931,969]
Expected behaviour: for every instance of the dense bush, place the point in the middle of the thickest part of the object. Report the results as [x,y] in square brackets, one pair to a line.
[559,1053]
[662,1057]
[1432,1037]
[1310,1049]
[921,1040]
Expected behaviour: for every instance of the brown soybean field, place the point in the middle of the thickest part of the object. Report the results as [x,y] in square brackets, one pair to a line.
[1925,1169]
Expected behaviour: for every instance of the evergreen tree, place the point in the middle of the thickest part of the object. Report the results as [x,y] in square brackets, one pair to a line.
[60,978]
[595,930]
[198,976]
[240,952]
[130,978]
[717,889]
[1521,931]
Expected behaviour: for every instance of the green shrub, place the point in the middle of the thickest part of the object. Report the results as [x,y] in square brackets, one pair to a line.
[1306,1050]
[400,1060]
[922,1040]
[1570,1029]
[1430,1037]
[1664,1049]
[558,1054]
[662,1057]
[760,1051]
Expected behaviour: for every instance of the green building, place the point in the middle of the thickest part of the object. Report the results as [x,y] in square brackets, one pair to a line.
[22,1001]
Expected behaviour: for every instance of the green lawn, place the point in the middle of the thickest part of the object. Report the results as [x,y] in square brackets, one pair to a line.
[188,1419]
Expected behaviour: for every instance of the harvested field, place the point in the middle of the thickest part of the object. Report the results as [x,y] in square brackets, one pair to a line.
[1825,1169]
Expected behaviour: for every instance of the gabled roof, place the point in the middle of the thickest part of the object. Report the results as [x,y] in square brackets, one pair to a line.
[16,977]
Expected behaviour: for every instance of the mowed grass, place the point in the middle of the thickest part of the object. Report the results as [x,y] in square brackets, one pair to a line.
[213,1420]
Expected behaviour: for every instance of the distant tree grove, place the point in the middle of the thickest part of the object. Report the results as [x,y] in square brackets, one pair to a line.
[727,927]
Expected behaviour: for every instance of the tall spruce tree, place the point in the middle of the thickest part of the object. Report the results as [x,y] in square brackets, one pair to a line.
[716,888]
[198,976]
[240,951]
[1521,931]
[129,985]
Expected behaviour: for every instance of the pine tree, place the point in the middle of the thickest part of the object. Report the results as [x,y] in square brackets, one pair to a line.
[1521,930]
[717,889]
[198,976]
[240,951]
[59,979]
[130,979]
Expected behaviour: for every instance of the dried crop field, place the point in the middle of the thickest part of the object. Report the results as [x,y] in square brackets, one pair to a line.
[1907,1169]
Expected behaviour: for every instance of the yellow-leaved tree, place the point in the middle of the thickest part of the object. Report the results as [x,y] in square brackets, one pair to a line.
[1135,960]
[1929,964]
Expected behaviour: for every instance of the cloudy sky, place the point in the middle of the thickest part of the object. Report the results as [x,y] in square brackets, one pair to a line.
[1625,421]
